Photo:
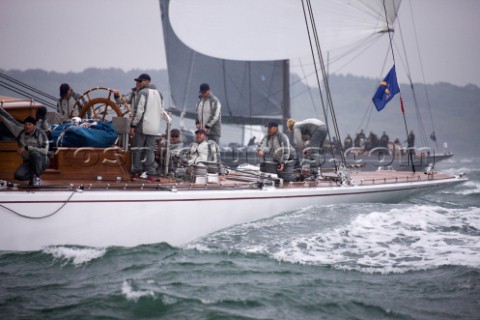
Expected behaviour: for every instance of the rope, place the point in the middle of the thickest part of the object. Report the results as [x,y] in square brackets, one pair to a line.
[42,217]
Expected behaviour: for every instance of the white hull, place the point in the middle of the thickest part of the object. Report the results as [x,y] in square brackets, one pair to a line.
[130,218]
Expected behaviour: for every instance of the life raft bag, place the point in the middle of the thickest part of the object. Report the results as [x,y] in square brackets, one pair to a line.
[97,135]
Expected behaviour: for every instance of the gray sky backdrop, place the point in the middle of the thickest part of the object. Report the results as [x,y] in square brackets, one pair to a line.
[68,35]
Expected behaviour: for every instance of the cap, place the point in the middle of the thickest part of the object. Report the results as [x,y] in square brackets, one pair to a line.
[204,87]
[271,124]
[142,77]
[64,87]
[200,131]
[30,119]
[174,132]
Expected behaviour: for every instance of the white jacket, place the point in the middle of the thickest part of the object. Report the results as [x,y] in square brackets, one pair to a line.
[148,111]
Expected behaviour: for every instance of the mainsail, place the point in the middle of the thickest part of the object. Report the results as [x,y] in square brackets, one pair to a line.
[250,91]
[240,47]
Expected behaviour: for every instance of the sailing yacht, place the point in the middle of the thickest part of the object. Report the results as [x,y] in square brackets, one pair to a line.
[88,198]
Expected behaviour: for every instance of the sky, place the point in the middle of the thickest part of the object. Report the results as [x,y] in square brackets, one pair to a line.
[67,35]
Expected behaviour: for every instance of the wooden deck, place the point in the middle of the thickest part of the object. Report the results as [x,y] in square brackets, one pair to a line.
[230,181]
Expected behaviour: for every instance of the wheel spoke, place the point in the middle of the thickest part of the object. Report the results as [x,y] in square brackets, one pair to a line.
[103,109]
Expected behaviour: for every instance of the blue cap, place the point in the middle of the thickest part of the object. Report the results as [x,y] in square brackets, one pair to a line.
[204,87]
[272,124]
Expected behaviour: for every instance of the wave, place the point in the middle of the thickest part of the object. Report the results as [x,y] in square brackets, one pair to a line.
[133,294]
[468,188]
[75,255]
[400,240]
[367,238]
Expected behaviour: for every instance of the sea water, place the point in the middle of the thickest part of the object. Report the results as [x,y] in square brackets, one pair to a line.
[419,259]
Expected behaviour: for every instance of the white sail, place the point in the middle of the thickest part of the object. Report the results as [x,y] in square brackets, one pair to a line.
[275,29]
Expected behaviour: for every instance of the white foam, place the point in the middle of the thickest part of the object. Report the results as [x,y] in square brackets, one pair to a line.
[228,238]
[403,239]
[133,295]
[75,255]
[468,188]
[469,171]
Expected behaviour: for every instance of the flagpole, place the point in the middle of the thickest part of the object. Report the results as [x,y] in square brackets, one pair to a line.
[410,151]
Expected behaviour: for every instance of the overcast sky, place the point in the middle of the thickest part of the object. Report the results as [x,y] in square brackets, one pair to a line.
[67,35]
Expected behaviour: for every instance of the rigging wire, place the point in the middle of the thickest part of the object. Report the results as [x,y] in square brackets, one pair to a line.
[421,68]
[26,86]
[369,109]
[325,79]
[24,93]
[367,44]
[421,127]
[400,93]
[224,79]
[308,88]
[315,66]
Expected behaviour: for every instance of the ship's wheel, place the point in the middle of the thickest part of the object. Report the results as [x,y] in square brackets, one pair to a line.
[99,104]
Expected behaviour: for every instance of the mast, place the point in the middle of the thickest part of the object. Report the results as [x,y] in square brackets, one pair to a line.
[286,112]
[410,152]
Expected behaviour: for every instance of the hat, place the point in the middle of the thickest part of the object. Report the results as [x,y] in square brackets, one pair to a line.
[271,124]
[142,77]
[200,131]
[204,87]
[30,119]
[174,132]
[64,87]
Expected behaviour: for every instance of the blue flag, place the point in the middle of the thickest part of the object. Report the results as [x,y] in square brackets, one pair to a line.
[386,90]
